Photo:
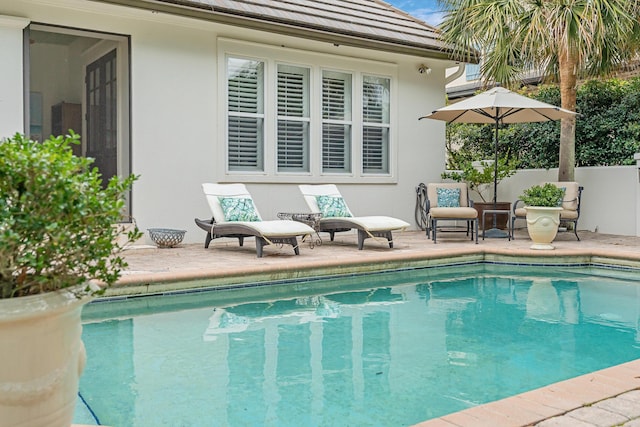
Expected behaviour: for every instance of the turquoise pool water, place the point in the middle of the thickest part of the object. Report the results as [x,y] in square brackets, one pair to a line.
[388,349]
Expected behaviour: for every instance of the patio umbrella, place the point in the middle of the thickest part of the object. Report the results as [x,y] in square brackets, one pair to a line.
[499,106]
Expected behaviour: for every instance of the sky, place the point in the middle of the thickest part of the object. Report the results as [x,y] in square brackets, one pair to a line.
[426,10]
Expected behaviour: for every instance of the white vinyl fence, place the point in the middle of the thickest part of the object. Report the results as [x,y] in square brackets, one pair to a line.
[610,200]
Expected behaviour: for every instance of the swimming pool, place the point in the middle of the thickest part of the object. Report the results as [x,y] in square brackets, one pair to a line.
[382,349]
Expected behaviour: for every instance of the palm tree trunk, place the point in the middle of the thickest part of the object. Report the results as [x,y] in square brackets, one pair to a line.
[568,92]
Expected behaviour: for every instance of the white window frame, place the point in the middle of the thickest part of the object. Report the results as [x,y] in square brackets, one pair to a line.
[317,64]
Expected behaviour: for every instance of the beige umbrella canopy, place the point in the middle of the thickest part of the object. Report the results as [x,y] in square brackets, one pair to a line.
[499,105]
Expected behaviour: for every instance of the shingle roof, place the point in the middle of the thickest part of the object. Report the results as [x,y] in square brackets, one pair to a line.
[371,24]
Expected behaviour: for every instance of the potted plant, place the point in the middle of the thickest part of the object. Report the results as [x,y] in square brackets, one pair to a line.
[478,175]
[543,204]
[58,247]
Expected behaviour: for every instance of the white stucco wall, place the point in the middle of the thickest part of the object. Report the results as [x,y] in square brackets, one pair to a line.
[175,120]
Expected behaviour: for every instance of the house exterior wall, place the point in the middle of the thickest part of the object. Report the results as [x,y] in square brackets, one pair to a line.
[177,136]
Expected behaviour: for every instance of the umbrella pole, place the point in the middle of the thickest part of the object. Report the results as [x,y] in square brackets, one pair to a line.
[495,232]
[495,170]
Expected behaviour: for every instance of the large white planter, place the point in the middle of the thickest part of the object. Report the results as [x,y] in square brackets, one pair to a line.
[542,225]
[41,359]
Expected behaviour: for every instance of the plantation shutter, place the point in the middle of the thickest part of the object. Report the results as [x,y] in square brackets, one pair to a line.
[336,122]
[375,129]
[245,127]
[293,119]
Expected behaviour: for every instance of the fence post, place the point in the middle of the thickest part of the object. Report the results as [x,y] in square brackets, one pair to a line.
[637,159]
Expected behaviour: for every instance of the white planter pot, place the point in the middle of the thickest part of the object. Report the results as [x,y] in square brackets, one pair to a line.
[542,225]
[42,357]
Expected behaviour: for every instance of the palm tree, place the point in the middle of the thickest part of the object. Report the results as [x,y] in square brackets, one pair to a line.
[567,39]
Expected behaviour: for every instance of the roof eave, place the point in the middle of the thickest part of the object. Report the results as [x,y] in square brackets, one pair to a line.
[287,29]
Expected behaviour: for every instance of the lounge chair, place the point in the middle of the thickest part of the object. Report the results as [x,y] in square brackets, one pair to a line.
[336,216]
[570,206]
[450,202]
[235,215]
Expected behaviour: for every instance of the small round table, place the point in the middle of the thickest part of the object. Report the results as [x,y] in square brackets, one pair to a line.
[311,219]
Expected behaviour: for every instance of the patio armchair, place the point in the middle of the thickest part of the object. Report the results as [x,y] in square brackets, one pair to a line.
[450,202]
[570,206]
[235,215]
[336,216]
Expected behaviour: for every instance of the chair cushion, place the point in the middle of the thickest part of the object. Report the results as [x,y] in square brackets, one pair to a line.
[448,197]
[432,192]
[453,213]
[521,212]
[281,228]
[331,206]
[238,209]
[568,214]
[373,223]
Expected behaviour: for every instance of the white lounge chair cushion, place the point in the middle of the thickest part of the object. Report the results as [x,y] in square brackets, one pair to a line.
[370,223]
[277,228]
[373,223]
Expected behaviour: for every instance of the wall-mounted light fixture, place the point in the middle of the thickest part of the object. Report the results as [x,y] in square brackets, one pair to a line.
[423,69]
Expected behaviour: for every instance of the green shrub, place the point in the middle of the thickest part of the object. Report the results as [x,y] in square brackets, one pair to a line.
[547,195]
[56,219]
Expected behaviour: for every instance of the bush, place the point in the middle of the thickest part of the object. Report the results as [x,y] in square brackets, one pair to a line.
[547,195]
[56,219]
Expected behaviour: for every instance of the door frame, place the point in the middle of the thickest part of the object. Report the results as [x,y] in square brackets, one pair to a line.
[106,42]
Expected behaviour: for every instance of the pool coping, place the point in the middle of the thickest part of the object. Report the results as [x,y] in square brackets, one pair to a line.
[194,279]
[555,400]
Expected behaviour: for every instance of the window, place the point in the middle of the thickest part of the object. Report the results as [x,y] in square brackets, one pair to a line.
[375,124]
[336,122]
[245,123]
[302,117]
[293,119]
[472,71]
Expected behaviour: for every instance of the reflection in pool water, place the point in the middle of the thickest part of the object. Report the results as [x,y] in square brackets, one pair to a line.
[385,349]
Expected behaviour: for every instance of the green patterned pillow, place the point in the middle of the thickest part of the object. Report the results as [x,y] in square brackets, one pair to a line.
[238,209]
[448,197]
[332,206]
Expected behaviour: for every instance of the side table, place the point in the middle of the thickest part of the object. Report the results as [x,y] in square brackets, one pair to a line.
[506,212]
[311,219]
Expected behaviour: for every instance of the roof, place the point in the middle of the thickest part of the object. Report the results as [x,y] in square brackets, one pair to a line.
[370,24]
